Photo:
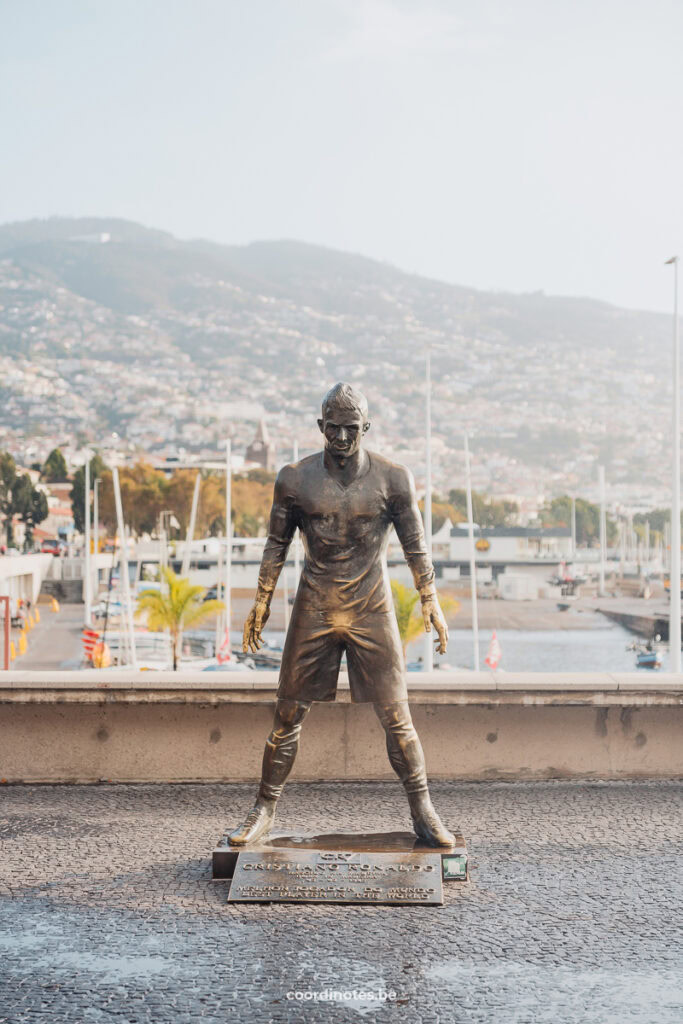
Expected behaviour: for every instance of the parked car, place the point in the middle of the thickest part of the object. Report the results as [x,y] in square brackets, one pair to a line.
[52,546]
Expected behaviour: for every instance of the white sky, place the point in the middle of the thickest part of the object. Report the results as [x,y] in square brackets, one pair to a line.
[519,145]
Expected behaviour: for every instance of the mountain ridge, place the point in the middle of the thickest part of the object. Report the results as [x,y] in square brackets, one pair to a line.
[19,236]
[549,384]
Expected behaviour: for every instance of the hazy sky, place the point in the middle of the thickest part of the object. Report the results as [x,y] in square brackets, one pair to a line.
[510,144]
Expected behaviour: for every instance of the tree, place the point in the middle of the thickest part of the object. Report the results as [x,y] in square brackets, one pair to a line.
[179,495]
[441,511]
[36,513]
[8,476]
[55,468]
[177,609]
[410,621]
[559,513]
[486,511]
[252,497]
[97,468]
[261,476]
[146,491]
[211,513]
[22,497]
[658,518]
[410,625]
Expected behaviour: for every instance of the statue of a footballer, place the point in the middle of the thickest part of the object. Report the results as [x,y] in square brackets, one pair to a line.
[345,501]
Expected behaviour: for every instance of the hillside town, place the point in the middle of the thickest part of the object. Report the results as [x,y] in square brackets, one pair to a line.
[173,382]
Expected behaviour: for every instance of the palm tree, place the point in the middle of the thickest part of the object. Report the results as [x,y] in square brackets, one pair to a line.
[177,609]
[410,621]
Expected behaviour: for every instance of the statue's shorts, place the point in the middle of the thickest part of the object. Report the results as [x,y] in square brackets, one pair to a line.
[318,637]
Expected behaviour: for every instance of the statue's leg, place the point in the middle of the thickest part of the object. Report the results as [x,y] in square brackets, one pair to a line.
[407,760]
[278,758]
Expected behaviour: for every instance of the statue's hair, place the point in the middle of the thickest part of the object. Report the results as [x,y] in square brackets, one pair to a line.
[343,396]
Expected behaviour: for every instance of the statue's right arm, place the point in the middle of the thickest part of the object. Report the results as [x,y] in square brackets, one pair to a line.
[280,532]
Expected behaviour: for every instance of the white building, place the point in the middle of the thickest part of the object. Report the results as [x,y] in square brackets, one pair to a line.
[536,550]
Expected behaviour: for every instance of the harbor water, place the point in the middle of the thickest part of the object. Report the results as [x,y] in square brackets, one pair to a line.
[545,650]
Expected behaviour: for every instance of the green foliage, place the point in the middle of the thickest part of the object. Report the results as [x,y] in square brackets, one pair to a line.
[97,469]
[18,497]
[146,492]
[36,513]
[176,609]
[55,469]
[410,624]
[658,518]
[558,512]
[261,476]
[441,511]
[486,511]
[8,476]
[22,496]
[409,617]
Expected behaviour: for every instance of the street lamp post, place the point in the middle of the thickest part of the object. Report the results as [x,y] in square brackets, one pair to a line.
[473,556]
[603,532]
[86,515]
[428,649]
[165,517]
[228,535]
[675,576]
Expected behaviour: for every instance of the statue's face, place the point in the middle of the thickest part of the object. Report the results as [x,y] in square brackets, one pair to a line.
[343,431]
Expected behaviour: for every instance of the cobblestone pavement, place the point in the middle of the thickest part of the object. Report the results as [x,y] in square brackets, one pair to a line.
[573,914]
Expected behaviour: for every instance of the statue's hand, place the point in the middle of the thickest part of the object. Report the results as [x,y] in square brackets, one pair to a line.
[256,620]
[431,613]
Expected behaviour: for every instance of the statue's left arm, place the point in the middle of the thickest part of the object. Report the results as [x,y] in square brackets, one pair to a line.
[407,521]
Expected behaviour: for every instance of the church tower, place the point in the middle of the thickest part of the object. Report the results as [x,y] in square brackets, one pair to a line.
[262,450]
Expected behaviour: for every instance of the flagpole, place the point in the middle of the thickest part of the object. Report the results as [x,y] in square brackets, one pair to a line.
[603,532]
[473,563]
[675,575]
[429,647]
[190,530]
[125,581]
[219,581]
[228,533]
[86,510]
[96,535]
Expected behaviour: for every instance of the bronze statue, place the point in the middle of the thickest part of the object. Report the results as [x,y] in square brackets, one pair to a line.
[345,501]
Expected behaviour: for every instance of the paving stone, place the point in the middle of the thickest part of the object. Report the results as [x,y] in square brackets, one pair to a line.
[108,911]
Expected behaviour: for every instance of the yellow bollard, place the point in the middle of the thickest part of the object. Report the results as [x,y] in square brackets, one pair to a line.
[12,651]
[54,604]
[29,622]
[22,642]
[37,615]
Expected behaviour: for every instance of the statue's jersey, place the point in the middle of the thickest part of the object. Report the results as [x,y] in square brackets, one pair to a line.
[344,601]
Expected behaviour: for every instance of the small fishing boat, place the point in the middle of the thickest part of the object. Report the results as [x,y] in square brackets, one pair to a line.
[648,654]
[648,659]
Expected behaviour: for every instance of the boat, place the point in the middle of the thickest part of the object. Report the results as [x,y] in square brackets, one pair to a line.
[648,654]
[568,581]
[648,659]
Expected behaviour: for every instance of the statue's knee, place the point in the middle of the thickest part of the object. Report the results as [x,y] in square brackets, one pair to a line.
[394,717]
[289,714]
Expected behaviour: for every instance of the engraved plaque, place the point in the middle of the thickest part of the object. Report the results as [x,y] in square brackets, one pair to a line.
[336,876]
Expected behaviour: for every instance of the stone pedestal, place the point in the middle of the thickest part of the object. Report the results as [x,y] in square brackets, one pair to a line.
[379,867]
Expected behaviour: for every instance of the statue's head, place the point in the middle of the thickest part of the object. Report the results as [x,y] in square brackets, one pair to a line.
[344,420]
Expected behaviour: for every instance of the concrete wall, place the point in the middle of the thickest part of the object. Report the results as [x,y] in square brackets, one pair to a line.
[90,726]
[22,575]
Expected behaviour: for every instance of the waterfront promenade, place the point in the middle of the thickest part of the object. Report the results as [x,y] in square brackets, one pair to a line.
[108,912]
